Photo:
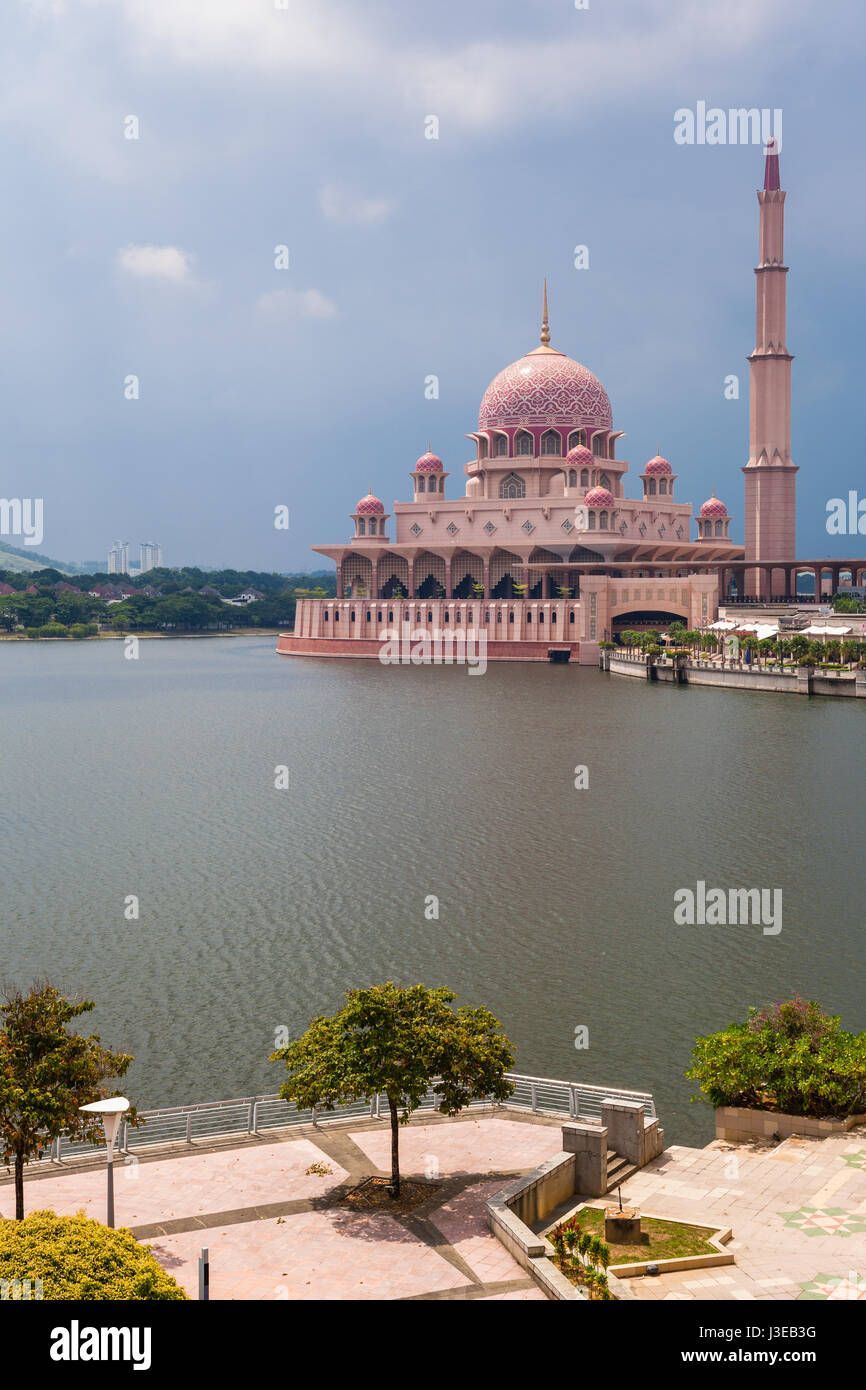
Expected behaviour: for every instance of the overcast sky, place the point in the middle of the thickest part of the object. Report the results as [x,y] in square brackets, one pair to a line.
[408,257]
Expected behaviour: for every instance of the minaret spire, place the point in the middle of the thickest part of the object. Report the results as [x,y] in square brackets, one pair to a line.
[545,326]
[771,167]
[770,513]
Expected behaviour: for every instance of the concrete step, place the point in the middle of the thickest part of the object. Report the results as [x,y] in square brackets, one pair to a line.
[619,1170]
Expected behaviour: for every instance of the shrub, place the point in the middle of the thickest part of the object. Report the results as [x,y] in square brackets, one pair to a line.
[48,630]
[77,1257]
[80,630]
[790,1057]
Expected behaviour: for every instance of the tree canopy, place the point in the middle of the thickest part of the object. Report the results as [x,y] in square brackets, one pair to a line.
[400,1042]
[47,1072]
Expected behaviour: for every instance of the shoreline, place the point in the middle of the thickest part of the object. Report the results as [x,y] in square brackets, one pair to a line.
[148,636]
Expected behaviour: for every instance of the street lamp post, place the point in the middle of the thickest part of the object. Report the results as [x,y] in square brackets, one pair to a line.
[111,1111]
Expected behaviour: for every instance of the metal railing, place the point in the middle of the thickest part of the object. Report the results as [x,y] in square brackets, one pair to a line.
[251,1115]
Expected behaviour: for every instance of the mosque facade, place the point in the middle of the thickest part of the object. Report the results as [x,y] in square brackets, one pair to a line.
[542,550]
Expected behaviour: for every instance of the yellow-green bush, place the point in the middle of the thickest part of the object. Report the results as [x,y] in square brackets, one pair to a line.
[77,1257]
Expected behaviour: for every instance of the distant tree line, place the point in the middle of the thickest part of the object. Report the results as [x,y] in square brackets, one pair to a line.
[46,603]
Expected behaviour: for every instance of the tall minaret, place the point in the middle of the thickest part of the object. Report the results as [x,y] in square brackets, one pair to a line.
[770,475]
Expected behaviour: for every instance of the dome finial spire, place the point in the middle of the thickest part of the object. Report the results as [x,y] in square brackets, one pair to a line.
[545,326]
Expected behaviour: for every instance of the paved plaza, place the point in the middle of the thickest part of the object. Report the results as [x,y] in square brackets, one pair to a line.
[797,1211]
[269,1210]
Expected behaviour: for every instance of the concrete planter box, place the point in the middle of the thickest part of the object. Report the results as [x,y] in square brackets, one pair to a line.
[737,1124]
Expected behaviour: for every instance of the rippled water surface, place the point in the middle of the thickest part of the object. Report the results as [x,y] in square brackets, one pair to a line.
[259,907]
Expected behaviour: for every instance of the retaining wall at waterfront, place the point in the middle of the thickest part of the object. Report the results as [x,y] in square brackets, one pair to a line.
[369,648]
[736,1124]
[798,681]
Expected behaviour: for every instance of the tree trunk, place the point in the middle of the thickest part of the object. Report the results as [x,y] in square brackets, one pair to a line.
[395,1148]
[19,1186]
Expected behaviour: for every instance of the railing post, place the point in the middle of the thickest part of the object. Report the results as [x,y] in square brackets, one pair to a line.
[252,1106]
[313,1112]
[125,1136]
[532,1097]
[255,1117]
[189,1126]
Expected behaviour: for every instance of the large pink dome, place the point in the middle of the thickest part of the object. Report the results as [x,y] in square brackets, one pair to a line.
[370,505]
[598,497]
[428,463]
[545,388]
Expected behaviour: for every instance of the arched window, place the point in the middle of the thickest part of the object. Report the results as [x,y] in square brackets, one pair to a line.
[663,486]
[577,437]
[420,482]
[718,528]
[592,521]
[362,526]
[523,443]
[500,446]
[572,477]
[652,487]
[551,442]
[598,445]
[482,448]
[605,481]
[602,521]
[512,486]
[584,477]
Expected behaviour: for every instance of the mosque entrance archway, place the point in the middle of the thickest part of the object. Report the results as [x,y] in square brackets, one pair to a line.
[646,619]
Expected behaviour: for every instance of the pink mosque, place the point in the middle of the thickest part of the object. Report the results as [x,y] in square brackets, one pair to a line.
[544,552]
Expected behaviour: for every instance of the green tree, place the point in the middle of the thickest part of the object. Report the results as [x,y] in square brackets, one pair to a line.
[76,1257]
[46,1073]
[399,1042]
[789,1057]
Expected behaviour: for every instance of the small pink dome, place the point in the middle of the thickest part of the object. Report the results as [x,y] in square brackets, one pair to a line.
[370,505]
[428,463]
[598,497]
[579,457]
[714,507]
[657,466]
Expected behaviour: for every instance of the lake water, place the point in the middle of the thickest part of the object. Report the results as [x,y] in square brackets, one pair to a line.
[259,907]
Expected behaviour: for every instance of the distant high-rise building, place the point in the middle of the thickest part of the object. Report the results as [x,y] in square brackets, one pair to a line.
[150,553]
[118,558]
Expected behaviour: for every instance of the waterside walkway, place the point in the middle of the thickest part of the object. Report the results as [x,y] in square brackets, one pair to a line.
[270,1210]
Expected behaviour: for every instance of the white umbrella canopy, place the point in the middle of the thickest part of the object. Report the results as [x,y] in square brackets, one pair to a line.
[826,630]
[723,625]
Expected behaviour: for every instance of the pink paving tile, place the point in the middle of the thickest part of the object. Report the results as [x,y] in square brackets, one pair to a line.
[312,1255]
[521,1295]
[463,1223]
[191,1185]
[485,1145]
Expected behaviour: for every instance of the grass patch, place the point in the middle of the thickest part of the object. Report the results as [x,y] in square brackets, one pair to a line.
[668,1240]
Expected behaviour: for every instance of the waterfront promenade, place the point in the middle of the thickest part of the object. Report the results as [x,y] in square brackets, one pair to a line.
[272,1213]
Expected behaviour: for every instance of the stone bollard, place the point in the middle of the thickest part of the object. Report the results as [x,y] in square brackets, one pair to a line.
[622,1227]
